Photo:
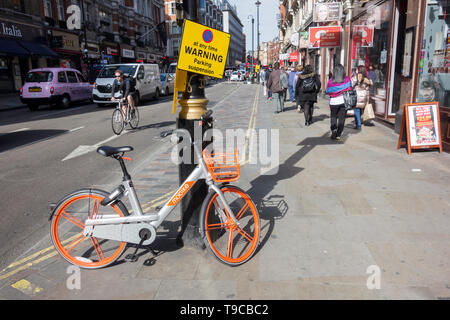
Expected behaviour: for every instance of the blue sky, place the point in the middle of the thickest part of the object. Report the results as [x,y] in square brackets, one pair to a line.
[267,19]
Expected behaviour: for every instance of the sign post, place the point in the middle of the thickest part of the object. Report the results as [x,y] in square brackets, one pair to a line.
[203,52]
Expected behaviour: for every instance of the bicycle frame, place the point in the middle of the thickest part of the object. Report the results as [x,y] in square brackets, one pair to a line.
[156,219]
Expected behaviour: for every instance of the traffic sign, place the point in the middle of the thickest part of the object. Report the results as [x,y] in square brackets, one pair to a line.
[203,50]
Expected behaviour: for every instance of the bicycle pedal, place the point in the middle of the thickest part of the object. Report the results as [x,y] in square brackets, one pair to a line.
[131,258]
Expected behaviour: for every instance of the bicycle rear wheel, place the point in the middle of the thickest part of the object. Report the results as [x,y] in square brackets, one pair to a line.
[134,117]
[117,121]
[67,228]
[230,243]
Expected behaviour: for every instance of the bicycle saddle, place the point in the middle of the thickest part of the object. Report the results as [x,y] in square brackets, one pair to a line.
[108,151]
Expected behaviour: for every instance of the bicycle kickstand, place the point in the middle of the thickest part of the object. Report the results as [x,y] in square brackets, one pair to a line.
[144,234]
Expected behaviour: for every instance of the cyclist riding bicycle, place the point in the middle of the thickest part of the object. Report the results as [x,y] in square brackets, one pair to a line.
[126,89]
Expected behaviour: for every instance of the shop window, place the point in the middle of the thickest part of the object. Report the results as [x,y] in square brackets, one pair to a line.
[434,63]
[370,45]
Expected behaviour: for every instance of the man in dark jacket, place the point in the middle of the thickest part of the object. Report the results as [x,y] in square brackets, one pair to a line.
[306,89]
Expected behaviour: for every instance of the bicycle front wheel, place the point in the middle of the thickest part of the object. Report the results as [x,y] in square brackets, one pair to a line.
[117,121]
[67,228]
[230,243]
[134,117]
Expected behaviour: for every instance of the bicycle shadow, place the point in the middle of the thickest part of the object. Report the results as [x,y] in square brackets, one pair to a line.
[274,207]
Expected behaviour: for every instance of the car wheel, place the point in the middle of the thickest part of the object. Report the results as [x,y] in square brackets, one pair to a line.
[33,107]
[157,94]
[167,92]
[65,101]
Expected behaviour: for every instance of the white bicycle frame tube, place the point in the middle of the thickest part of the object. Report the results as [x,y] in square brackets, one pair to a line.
[200,172]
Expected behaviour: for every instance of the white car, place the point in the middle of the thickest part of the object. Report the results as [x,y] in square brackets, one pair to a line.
[167,83]
[146,77]
[237,76]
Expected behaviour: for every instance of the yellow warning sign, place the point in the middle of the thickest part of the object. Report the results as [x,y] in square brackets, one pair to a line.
[203,50]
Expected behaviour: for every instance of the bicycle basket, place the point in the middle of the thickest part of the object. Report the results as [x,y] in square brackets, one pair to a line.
[223,167]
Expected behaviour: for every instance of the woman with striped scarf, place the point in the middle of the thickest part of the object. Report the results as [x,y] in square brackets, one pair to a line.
[337,85]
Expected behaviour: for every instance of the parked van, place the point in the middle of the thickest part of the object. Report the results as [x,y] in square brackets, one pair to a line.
[172,68]
[54,86]
[146,77]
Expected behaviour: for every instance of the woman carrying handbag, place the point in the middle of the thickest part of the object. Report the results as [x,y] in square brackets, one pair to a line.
[362,86]
[338,86]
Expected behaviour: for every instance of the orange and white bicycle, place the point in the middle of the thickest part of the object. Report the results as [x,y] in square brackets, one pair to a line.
[90,228]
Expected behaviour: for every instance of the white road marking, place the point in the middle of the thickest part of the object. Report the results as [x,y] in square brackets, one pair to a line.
[83,149]
[19,130]
[75,129]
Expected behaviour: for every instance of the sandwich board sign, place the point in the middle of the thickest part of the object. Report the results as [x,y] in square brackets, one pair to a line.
[203,50]
[421,127]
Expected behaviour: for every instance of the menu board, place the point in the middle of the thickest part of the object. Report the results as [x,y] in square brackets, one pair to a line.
[422,125]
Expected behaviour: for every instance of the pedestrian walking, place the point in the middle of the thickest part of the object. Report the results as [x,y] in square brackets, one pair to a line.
[269,92]
[284,79]
[336,87]
[297,100]
[274,84]
[362,85]
[307,87]
[292,80]
[262,80]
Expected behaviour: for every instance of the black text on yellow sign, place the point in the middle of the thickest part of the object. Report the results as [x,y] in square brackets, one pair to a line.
[203,50]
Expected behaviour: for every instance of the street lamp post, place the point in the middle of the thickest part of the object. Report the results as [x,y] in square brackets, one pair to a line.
[258,3]
[253,49]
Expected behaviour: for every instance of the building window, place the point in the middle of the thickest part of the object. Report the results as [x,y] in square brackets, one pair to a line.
[175,28]
[48,8]
[176,47]
[61,14]
[172,8]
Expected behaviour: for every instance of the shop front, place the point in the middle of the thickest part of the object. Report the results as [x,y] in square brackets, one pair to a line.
[109,53]
[433,82]
[22,47]
[371,39]
[67,45]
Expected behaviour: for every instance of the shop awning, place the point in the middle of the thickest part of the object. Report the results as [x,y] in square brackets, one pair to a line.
[38,49]
[13,48]
[25,48]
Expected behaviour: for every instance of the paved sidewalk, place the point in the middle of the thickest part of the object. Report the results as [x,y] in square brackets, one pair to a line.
[10,101]
[334,214]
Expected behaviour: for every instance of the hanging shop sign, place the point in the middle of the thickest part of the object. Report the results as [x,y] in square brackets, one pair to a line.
[294,39]
[65,41]
[303,40]
[127,53]
[328,11]
[363,35]
[421,127]
[294,57]
[324,37]
[203,50]
[283,56]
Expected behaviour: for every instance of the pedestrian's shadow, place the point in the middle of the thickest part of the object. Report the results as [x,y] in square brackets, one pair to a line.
[273,207]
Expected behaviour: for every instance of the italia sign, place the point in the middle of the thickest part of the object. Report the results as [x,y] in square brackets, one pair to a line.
[203,50]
